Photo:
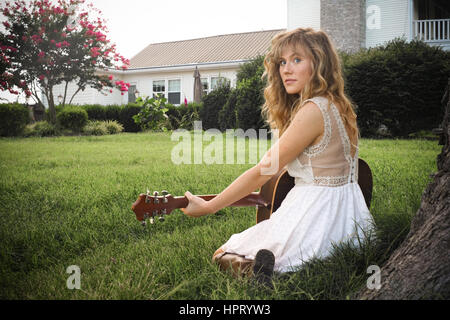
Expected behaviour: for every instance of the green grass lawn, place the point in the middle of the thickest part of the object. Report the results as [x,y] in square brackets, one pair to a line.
[67,201]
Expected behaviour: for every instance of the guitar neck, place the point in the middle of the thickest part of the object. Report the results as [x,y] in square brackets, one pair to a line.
[253,199]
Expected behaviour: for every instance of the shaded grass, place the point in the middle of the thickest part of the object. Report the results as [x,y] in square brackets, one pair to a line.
[66,201]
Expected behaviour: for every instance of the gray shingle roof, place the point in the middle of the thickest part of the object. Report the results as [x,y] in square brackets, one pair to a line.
[222,48]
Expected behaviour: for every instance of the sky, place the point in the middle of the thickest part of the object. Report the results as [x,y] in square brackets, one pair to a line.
[134,24]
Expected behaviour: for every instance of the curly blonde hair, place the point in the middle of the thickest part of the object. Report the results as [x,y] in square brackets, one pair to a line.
[326,79]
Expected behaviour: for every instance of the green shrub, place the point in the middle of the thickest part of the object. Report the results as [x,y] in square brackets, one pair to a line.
[126,117]
[212,104]
[40,129]
[227,116]
[113,127]
[112,112]
[183,117]
[399,85]
[248,70]
[13,119]
[72,118]
[152,115]
[243,109]
[96,128]
[95,111]
[249,101]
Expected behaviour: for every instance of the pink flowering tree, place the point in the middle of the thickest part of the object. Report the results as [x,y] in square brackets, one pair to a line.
[47,43]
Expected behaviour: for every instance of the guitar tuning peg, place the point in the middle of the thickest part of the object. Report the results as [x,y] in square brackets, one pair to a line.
[155,194]
[147,197]
[165,193]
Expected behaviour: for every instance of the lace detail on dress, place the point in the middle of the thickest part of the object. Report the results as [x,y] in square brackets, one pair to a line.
[331,181]
[315,150]
[342,133]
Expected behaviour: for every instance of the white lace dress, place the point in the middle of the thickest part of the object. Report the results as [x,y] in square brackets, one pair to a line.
[326,205]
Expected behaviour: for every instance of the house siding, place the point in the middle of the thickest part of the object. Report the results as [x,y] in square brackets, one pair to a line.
[144,84]
[386,20]
[144,81]
[88,96]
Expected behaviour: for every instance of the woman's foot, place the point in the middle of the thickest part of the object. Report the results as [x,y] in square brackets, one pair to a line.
[263,267]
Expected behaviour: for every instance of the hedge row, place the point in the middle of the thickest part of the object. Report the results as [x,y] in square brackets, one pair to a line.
[15,117]
[396,88]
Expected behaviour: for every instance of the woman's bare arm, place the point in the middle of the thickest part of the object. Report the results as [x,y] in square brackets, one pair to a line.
[306,126]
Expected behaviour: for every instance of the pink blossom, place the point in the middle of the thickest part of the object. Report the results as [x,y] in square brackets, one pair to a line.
[94,52]
[110,77]
[58,44]
[41,77]
[58,10]
[41,54]
[63,35]
[6,24]
[36,38]
[65,43]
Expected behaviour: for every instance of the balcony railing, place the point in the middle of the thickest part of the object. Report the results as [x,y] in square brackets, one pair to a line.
[436,30]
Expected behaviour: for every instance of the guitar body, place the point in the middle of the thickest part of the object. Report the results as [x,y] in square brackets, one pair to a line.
[274,191]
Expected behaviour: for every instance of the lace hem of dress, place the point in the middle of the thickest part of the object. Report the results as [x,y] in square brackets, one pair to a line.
[325,181]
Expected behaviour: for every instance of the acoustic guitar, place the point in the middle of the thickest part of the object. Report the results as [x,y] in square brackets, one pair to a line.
[267,200]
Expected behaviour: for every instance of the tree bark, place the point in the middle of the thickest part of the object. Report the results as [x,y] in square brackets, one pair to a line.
[420,267]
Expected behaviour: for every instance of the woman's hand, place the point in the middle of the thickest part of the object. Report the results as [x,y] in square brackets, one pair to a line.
[197,207]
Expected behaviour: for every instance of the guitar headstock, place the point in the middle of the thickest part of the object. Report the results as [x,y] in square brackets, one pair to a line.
[149,206]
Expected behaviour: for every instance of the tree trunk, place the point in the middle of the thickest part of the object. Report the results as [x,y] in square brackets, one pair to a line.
[420,267]
[51,105]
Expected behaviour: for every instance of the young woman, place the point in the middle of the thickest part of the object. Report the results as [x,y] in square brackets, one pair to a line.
[318,144]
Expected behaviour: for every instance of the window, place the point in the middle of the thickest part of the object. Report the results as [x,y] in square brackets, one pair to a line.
[159,88]
[174,91]
[217,81]
[132,93]
[205,85]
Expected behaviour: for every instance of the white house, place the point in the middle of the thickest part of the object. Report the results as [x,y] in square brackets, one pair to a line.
[168,67]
